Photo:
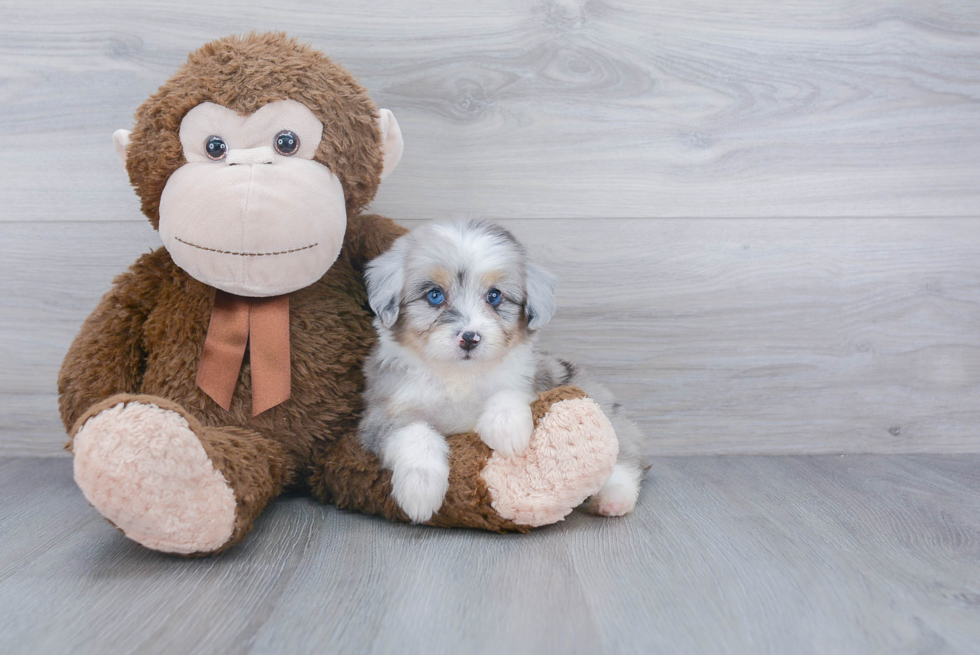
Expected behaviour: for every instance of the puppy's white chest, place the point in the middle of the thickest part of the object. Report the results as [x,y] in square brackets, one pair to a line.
[460,405]
[453,399]
[463,399]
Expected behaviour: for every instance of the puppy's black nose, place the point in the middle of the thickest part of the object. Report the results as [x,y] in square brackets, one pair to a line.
[469,340]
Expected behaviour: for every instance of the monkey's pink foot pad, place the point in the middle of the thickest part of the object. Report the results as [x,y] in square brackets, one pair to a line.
[572,453]
[145,470]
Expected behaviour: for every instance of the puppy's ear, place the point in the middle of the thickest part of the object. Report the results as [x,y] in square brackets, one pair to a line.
[540,305]
[384,278]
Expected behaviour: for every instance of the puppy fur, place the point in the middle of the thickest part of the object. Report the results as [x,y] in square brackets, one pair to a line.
[457,307]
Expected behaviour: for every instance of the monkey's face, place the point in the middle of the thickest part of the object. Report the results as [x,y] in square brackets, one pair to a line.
[250,157]
[251,212]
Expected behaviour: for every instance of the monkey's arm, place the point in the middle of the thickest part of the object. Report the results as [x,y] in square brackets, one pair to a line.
[572,453]
[107,357]
[368,236]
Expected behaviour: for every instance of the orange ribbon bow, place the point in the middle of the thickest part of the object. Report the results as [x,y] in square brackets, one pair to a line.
[261,324]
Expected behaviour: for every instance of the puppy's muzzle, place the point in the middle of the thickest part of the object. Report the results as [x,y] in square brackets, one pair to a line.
[469,340]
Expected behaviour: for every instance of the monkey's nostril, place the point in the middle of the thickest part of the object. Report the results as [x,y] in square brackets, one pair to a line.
[261,155]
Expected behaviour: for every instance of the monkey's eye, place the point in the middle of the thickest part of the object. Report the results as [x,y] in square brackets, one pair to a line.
[215,148]
[436,297]
[286,143]
[494,296]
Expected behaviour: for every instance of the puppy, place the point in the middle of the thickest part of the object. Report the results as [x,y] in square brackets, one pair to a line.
[458,305]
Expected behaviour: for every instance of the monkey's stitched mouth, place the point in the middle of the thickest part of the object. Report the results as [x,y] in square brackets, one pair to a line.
[246,254]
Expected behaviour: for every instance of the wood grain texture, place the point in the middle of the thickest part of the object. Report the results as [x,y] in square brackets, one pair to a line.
[563,108]
[854,554]
[582,125]
[719,336]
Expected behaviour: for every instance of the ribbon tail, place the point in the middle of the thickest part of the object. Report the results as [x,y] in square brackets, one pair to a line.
[269,352]
[224,348]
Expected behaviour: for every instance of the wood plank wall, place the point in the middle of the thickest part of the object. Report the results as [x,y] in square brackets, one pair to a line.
[765,216]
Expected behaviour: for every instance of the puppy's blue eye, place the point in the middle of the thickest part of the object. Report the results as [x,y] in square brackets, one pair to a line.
[436,297]
[493,297]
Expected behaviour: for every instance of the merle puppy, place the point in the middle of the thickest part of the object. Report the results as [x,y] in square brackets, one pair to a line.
[458,305]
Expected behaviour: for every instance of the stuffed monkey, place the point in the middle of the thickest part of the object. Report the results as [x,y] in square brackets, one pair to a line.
[225,367]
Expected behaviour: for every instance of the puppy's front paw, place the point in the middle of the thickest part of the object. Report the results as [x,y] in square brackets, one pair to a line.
[506,428]
[419,491]
[418,457]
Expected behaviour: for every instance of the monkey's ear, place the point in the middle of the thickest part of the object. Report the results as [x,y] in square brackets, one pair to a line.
[391,139]
[540,305]
[384,278]
[120,138]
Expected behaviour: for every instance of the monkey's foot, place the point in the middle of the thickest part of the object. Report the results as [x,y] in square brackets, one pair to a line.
[572,453]
[145,470]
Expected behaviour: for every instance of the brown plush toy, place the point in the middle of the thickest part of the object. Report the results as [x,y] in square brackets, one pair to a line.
[225,367]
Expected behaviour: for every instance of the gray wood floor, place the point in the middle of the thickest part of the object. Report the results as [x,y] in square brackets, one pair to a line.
[801,554]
